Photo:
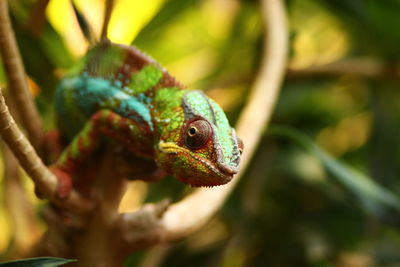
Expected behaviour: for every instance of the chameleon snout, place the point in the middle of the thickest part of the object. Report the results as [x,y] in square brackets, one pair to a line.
[193,169]
[226,169]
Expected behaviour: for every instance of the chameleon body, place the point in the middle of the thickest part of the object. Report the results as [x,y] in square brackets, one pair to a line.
[118,92]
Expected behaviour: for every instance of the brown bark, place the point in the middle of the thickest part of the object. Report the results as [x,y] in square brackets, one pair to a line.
[37,17]
[92,238]
[21,212]
[17,80]
[32,164]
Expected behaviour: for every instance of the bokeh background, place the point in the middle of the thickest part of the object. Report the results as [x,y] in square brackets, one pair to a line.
[323,187]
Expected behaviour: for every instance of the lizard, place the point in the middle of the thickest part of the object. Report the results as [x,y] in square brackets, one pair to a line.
[117,92]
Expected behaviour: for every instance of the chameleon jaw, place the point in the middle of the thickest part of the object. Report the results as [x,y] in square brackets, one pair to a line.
[224,175]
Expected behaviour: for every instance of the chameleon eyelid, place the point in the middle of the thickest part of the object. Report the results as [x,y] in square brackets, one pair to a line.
[201,135]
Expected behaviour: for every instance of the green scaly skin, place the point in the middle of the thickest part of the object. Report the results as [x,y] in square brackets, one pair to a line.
[117,92]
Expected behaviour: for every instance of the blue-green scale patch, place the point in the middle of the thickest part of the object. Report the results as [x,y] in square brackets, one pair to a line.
[69,116]
[144,98]
[80,97]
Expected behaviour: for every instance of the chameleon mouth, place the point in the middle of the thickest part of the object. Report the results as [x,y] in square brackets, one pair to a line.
[223,171]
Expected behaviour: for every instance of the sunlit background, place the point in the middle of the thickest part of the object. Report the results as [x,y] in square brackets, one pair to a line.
[292,208]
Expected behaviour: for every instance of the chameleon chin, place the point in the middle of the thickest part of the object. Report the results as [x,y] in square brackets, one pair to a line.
[118,92]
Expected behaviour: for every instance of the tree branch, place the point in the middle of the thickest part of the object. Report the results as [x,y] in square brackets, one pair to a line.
[17,80]
[180,219]
[361,67]
[21,211]
[37,17]
[45,181]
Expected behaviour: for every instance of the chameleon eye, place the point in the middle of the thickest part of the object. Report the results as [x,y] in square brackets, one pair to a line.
[240,145]
[197,134]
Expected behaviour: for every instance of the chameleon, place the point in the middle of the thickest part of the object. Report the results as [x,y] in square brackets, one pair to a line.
[117,92]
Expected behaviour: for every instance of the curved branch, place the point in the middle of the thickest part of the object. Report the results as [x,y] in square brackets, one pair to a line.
[45,181]
[21,211]
[359,66]
[180,219]
[17,80]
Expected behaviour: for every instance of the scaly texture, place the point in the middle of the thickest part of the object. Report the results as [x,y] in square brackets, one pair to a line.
[118,92]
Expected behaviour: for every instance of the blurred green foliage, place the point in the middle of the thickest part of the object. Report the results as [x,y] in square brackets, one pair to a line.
[294,206]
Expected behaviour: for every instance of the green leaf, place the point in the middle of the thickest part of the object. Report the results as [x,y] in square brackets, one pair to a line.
[37,262]
[373,197]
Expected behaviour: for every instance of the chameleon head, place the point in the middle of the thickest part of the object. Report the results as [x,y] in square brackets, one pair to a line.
[204,149]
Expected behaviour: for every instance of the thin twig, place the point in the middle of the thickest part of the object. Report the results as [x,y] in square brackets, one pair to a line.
[37,17]
[45,181]
[107,16]
[361,67]
[21,211]
[17,80]
[180,220]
